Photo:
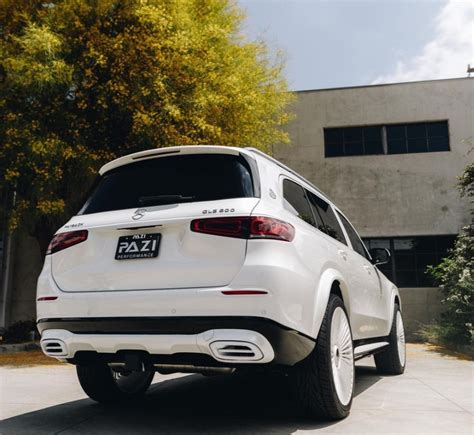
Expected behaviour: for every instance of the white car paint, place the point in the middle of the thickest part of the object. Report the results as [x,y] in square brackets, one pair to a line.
[193,269]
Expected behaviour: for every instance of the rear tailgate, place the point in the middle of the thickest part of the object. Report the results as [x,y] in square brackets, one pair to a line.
[122,208]
[185,258]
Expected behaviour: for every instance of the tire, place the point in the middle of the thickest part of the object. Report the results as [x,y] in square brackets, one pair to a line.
[324,381]
[392,360]
[105,385]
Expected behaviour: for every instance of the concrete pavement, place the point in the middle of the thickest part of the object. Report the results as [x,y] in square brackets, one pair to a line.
[434,396]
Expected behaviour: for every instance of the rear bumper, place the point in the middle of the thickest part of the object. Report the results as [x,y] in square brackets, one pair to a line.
[194,340]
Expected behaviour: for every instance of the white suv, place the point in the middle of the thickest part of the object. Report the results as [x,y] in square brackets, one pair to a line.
[209,259]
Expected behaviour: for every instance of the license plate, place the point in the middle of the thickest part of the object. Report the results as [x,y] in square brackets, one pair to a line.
[137,246]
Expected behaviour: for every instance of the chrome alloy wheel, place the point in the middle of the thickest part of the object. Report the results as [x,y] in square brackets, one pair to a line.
[342,356]
[400,339]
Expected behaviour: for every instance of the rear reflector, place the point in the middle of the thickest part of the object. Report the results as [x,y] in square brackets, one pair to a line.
[245,227]
[47,298]
[66,240]
[244,292]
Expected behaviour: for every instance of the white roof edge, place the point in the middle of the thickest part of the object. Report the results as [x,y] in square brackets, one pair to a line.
[290,171]
[157,152]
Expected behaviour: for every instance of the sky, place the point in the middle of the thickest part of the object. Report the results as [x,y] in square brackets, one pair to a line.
[338,43]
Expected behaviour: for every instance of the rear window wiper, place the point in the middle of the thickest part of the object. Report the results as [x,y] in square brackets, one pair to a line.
[164,199]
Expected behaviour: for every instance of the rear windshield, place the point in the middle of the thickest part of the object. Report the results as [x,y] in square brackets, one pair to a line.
[171,180]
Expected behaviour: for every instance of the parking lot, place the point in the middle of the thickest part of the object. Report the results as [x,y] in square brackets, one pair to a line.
[434,396]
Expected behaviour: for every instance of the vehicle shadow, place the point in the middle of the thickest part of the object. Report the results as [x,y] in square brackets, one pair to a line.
[229,404]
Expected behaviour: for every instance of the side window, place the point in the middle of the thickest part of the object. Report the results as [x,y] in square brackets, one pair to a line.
[296,201]
[357,244]
[324,211]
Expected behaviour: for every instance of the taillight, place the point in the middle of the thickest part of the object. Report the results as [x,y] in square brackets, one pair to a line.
[66,240]
[245,227]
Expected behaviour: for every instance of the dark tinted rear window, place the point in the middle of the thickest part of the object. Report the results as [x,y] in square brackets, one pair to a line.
[173,179]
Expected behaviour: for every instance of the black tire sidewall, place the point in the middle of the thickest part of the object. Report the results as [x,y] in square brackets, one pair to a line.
[394,338]
[336,302]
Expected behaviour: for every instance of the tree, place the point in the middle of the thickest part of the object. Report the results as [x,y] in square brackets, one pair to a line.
[455,274]
[85,81]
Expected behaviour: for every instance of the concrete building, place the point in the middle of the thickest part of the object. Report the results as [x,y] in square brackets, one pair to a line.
[388,155]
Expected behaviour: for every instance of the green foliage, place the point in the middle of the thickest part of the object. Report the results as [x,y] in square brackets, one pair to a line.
[85,81]
[455,274]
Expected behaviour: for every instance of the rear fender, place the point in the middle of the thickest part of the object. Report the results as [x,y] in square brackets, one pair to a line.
[328,278]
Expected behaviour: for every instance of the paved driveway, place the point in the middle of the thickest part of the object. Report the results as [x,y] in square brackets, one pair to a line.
[434,396]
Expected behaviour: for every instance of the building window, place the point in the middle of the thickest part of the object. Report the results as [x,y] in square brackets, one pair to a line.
[411,256]
[420,137]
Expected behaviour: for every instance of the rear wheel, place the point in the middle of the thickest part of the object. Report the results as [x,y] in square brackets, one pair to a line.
[105,385]
[325,380]
[392,360]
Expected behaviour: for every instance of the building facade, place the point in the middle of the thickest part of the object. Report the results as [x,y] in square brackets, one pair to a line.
[387,155]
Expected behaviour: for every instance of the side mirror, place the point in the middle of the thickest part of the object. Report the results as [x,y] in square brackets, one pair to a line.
[380,256]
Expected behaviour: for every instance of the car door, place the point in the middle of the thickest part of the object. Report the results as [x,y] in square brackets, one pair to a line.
[311,250]
[368,279]
[360,313]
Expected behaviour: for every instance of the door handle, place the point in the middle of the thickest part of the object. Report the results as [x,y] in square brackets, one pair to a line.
[368,268]
[343,254]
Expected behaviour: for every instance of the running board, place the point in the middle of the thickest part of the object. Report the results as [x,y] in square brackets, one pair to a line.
[367,349]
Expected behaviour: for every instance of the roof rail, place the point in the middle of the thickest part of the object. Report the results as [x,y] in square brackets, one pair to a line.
[286,168]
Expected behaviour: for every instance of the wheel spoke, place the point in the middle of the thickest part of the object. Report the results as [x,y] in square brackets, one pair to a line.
[342,357]
[400,338]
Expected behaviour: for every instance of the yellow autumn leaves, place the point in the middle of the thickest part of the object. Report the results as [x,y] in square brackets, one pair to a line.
[83,82]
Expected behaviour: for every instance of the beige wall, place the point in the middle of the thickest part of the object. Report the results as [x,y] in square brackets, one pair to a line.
[387,195]
[420,306]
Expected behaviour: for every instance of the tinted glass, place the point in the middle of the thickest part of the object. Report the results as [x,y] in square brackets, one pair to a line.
[438,143]
[416,130]
[417,145]
[352,134]
[396,132]
[173,179]
[296,201]
[324,211]
[438,136]
[396,146]
[332,135]
[373,140]
[373,133]
[411,256]
[356,243]
[438,128]
[419,137]
[334,142]
[319,224]
[334,149]
[354,148]
[386,269]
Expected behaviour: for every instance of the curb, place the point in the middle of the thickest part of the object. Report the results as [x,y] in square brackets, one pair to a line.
[19,347]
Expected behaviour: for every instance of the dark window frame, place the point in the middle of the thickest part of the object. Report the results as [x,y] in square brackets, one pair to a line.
[336,145]
[298,215]
[440,251]
[316,216]
[349,227]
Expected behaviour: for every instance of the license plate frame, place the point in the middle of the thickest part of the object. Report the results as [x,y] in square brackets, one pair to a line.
[138,246]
